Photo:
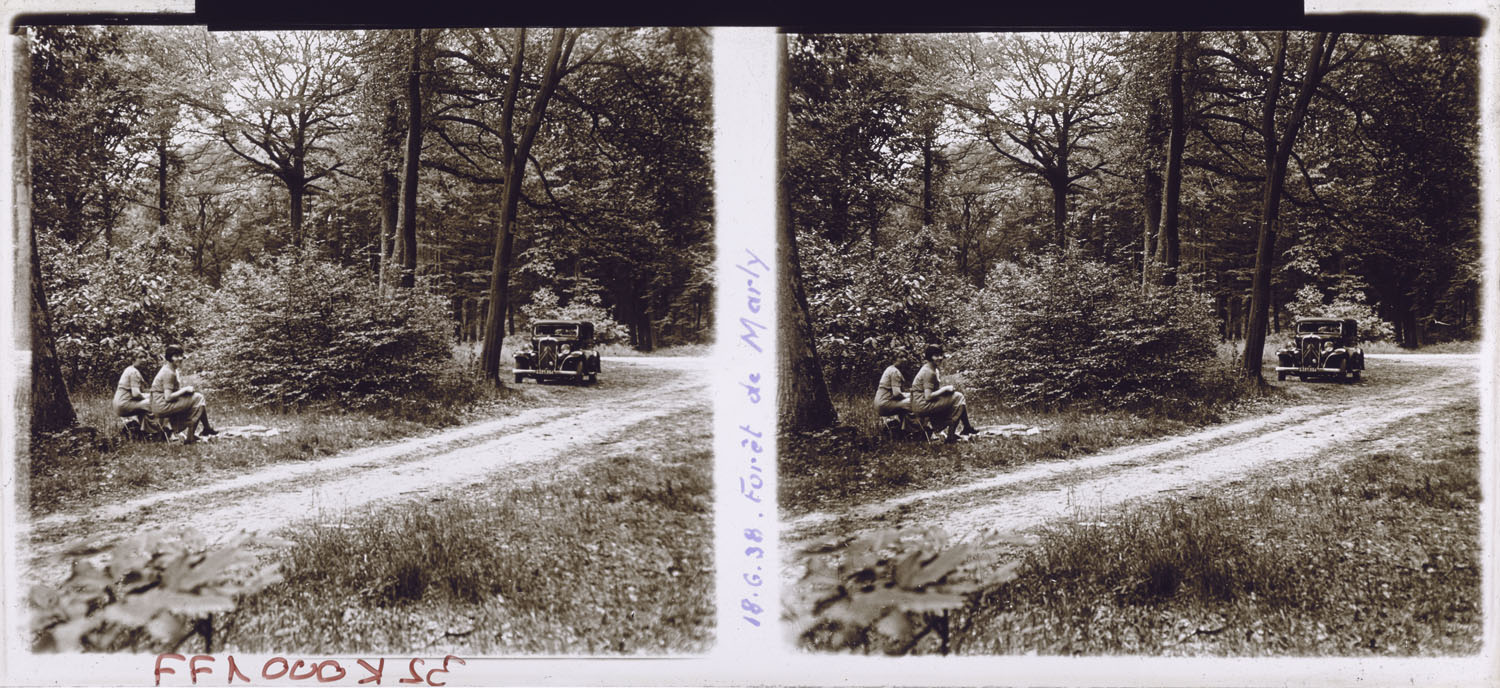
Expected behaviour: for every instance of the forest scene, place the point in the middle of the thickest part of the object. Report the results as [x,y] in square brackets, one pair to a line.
[1081,260]
[350,244]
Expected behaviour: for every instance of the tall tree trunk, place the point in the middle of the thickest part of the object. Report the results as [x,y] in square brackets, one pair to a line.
[163,162]
[1279,151]
[1060,210]
[516,158]
[927,164]
[109,228]
[1411,325]
[296,191]
[802,400]
[1171,257]
[1151,190]
[390,200]
[48,405]
[645,337]
[412,161]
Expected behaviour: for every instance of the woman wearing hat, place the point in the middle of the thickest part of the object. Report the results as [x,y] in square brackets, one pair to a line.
[940,404]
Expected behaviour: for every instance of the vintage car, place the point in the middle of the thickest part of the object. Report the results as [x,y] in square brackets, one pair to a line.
[560,350]
[1322,347]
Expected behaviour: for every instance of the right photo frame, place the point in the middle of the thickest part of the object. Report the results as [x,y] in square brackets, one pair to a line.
[1156,344]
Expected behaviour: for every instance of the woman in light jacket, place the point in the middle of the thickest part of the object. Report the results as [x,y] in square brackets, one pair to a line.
[940,404]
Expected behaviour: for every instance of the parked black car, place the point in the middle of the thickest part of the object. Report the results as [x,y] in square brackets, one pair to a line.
[1322,347]
[560,350]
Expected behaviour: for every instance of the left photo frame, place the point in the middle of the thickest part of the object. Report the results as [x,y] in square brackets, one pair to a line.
[362,342]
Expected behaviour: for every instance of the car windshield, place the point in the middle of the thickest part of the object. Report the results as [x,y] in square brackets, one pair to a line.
[1318,328]
[556,331]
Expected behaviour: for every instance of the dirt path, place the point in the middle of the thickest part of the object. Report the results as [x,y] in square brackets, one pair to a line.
[1019,500]
[534,441]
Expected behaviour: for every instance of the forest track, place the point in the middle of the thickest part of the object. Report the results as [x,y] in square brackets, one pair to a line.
[534,442]
[1365,415]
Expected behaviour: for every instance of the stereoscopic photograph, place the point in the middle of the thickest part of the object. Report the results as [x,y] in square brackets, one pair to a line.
[1159,344]
[379,341]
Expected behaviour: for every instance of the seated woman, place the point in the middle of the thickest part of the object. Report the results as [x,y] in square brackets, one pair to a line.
[130,399]
[177,406]
[889,399]
[939,404]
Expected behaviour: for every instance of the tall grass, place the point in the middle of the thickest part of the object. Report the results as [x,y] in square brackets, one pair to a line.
[613,557]
[1380,556]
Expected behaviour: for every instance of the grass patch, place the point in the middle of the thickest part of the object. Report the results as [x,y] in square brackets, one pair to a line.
[92,464]
[1377,557]
[1453,347]
[676,350]
[1275,341]
[616,557]
[854,464]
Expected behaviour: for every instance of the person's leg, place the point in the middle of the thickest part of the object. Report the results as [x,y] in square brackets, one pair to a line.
[181,415]
[194,415]
[963,414]
[202,404]
[955,412]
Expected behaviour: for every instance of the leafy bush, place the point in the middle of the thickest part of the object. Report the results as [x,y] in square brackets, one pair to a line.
[1056,331]
[869,311]
[296,330]
[154,592]
[141,296]
[1310,302]
[888,591]
[585,305]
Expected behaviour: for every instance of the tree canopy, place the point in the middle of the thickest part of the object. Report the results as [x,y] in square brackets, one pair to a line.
[1353,158]
[412,153]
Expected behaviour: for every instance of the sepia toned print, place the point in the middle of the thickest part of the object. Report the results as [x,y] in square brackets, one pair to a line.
[1186,326]
[413,328]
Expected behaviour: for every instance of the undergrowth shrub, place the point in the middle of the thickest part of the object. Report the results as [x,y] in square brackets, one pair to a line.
[872,309]
[295,330]
[888,592]
[1059,331]
[141,296]
[153,591]
[582,305]
[1311,302]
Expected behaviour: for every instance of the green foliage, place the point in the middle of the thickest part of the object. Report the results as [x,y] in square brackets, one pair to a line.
[846,113]
[886,591]
[295,330]
[873,310]
[584,303]
[1055,331]
[82,120]
[153,592]
[1310,302]
[141,296]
